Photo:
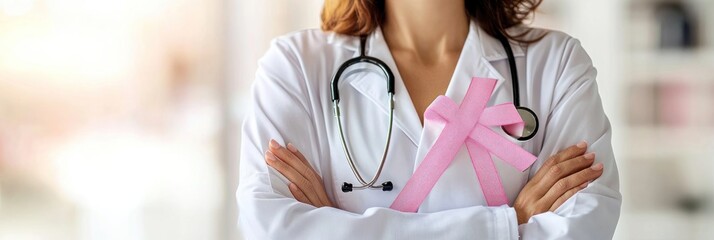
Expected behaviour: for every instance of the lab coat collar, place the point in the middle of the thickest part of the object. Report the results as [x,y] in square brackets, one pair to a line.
[493,50]
[479,49]
[348,42]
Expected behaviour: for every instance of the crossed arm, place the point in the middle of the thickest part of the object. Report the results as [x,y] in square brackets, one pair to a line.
[560,177]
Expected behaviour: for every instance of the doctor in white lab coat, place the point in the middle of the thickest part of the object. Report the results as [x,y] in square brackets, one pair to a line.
[292,104]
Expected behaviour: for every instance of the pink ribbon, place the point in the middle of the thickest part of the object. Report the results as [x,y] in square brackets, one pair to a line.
[467,124]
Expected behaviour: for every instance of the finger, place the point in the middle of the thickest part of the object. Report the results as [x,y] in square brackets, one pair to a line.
[322,194]
[567,196]
[299,195]
[568,153]
[303,168]
[565,184]
[288,157]
[297,153]
[302,159]
[563,169]
[292,175]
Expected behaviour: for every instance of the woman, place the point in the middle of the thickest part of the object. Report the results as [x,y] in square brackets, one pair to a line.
[290,186]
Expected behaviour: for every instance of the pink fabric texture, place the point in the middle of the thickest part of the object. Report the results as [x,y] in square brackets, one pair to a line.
[468,124]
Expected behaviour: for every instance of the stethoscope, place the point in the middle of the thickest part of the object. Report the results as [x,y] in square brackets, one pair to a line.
[529,117]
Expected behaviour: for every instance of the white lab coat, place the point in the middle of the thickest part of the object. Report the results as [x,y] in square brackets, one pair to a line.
[291,103]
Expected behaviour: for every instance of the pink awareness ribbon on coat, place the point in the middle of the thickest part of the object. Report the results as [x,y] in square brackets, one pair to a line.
[468,124]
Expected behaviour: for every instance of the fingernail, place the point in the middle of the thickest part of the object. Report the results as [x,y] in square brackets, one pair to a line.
[589,156]
[582,144]
[269,156]
[274,144]
[292,148]
[583,185]
[597,167]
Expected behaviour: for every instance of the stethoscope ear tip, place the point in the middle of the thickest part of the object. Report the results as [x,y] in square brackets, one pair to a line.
[387,186]
[346,187]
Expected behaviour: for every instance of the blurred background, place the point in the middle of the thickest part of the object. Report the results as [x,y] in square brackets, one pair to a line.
[120,119]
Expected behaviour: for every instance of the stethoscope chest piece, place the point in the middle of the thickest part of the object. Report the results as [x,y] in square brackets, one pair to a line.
[530,127]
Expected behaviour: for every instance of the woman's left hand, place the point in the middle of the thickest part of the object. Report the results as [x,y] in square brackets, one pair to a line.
[305,184]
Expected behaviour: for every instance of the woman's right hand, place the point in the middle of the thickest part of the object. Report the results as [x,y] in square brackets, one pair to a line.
[560,177]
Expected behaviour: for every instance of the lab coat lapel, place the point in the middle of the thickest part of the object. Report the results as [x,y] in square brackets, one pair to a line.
[405,116]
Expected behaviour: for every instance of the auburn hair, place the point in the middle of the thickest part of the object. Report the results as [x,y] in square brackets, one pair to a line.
[361,17]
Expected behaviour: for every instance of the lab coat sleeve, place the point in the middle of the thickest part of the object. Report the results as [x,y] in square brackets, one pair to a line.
[267,210]
[577,114]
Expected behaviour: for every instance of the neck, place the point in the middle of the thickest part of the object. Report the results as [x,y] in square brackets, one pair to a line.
[427,28]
